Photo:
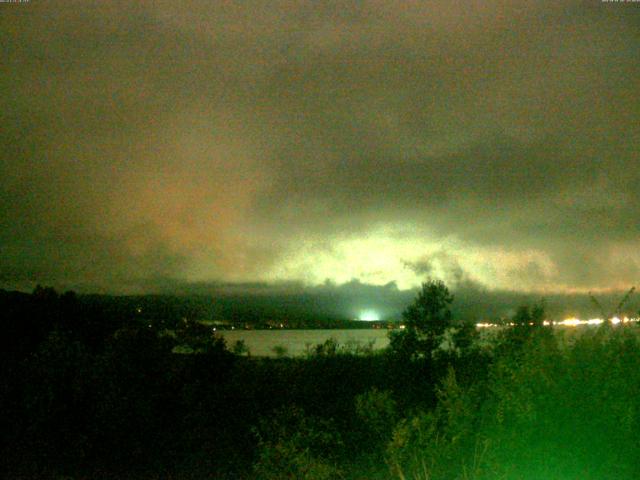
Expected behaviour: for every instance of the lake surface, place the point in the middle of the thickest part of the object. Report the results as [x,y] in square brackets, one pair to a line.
[298,342]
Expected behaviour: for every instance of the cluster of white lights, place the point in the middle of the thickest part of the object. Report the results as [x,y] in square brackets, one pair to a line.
[569,322]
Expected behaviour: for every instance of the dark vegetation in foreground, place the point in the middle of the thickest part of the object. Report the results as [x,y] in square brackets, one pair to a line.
[88,392]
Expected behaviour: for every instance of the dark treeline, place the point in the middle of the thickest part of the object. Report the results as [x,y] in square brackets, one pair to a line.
[94,390]
[166,311]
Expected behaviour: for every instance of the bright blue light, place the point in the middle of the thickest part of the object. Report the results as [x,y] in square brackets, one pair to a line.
[369,316]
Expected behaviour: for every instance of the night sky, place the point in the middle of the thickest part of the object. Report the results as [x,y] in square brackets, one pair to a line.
[153,146]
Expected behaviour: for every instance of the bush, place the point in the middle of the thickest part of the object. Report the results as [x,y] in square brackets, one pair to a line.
[441,444]
[293,445]
[378,411]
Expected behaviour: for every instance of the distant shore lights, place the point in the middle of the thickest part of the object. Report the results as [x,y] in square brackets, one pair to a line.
[570,322]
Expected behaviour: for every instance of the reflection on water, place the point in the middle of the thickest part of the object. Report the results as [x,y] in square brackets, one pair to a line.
[297,342]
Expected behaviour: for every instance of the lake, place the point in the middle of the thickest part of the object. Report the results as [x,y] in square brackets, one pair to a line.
[297,342]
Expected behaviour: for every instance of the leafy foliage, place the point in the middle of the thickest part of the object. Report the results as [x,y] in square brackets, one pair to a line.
[294,445]
[425,320]
[379,412]
[440,443]
[430,313]
[117,401]
[549,409]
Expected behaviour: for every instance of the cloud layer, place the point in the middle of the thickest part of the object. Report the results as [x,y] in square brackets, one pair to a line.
[298,141]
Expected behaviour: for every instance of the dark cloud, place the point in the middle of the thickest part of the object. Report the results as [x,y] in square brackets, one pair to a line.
[215,141]
[439,265]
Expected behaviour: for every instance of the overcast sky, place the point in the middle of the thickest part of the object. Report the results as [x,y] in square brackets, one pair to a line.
[493,143]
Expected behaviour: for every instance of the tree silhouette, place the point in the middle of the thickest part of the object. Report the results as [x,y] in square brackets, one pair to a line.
[426,319]
[430,314]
